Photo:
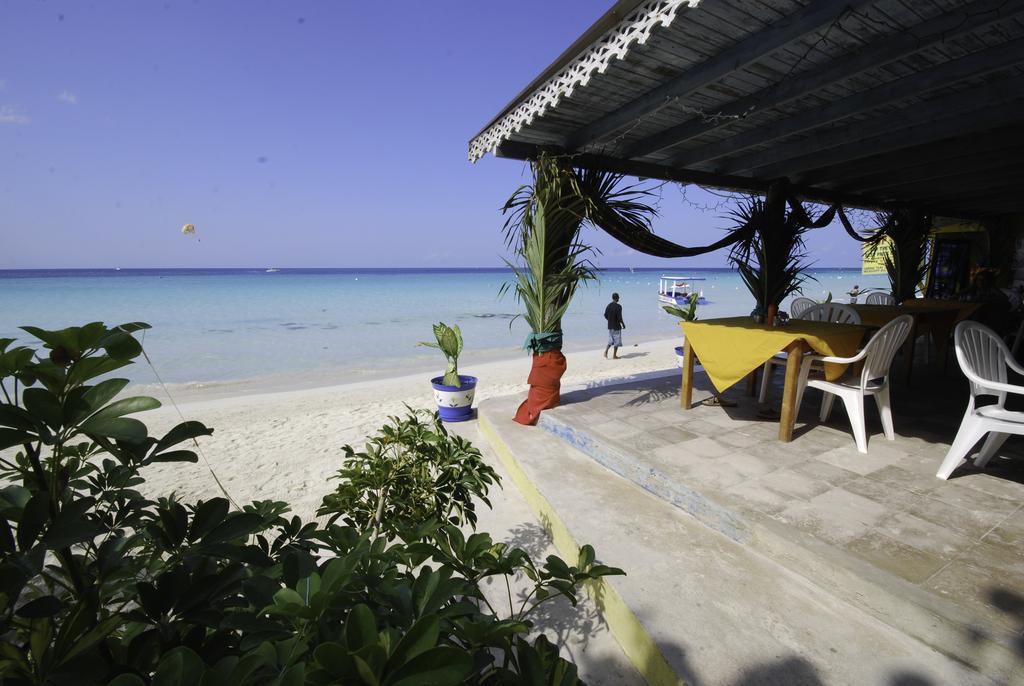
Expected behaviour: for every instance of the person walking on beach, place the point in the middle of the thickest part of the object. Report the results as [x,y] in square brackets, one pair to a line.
[613,315]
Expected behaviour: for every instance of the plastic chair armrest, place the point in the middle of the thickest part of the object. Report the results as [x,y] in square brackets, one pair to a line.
[994,385]
[844,360]
[1014,365]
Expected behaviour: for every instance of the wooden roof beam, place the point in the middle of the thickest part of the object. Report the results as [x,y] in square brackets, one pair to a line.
[740,184]
[813,16]
[1006,160]
[921,156]
[970,17]
[921,124]
[976,64]
[961,187]
[647,170]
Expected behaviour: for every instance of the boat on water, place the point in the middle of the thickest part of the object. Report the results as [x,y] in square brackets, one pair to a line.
[676,290]
[271,270]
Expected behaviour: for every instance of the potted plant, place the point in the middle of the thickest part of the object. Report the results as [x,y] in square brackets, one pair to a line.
[688,314]
[453,391]
[543,226]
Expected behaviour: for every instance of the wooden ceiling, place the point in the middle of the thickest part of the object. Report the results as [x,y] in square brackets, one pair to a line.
[869,102]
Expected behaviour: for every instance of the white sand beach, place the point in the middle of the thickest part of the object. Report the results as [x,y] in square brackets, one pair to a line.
[285,445]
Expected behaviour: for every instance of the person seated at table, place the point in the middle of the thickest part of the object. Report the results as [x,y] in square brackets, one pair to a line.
[995,305]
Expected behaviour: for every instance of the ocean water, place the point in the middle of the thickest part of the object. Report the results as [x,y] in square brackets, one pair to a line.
[324,326]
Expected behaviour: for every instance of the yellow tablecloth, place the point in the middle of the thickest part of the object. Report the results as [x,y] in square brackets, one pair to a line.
[732,347]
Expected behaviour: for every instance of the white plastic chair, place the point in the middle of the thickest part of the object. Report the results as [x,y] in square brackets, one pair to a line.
[873,380]
[799,305]
[984,358]
[880,298]
[817,312]
[832,312]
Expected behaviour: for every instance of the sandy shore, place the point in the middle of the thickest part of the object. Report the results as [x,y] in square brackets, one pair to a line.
[285,445]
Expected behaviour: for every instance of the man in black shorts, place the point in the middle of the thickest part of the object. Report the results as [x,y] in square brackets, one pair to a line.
[613,315]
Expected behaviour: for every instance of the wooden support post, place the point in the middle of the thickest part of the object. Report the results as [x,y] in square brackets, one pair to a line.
[908,350]
[794,354]
[752,383]
[686,390]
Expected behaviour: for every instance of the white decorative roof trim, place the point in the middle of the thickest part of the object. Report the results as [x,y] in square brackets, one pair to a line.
[636,27]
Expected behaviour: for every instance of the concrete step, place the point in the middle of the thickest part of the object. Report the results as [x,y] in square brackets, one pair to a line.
[702,603]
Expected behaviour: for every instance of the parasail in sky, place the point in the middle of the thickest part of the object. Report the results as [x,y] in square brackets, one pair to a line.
[189,229]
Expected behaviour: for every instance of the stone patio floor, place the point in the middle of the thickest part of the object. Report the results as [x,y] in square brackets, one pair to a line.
[953,547]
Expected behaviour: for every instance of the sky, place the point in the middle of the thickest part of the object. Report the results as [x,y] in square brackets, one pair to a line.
[291,134]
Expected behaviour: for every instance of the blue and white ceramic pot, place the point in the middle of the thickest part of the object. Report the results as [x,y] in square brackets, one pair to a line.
[455,403]
[679,356]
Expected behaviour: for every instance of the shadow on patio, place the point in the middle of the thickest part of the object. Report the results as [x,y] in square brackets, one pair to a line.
[949,548]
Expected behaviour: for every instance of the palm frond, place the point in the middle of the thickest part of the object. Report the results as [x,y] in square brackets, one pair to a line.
[542,227]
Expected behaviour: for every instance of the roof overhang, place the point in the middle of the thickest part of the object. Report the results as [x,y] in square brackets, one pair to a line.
[867,102]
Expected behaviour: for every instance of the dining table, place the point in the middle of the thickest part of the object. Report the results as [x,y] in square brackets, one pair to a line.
[731,348]
[931,316]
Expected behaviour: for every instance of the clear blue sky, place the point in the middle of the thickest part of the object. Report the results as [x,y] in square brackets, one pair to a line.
[290,133]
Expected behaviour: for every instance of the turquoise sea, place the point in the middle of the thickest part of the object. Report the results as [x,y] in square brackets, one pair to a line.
[325,326]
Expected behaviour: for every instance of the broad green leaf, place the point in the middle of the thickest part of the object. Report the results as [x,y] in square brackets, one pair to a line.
[179,666]
[34,518]
[174,456]
[125,406]
[287,596]
[44,405]
[182,432]
[420,637]
[121,345]
[119,428]
[17,418]
[12,437]
[94,636]
[293,676]
[102,393]
[440,666]
[208,514]
[46,606]
[360,628]
[126,680]
[235,525]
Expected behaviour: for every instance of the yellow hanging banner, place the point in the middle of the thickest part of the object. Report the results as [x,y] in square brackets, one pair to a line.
[875,255]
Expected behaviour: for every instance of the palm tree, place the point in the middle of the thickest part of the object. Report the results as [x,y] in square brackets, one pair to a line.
[771,256]
[905,232]
[542,228]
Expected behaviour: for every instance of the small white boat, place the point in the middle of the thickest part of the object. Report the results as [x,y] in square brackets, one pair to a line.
[676,290]
[271,270]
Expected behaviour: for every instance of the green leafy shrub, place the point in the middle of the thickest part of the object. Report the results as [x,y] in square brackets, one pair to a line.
[449,342]
[412,471]
[100,584]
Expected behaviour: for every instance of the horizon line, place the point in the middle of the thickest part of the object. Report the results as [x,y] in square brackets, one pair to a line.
[431,268]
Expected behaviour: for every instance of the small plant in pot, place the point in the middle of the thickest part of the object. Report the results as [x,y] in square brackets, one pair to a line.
[684,314]
[453,391]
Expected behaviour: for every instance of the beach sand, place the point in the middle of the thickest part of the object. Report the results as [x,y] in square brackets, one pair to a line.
[286,445]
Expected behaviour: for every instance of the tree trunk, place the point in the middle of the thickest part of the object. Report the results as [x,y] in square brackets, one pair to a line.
[545,386]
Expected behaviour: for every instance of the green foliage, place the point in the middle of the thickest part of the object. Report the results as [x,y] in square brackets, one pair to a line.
[907,232]
[449,342]
[101,584]
[772,258]
[412,471]
[543,225]
[687,315]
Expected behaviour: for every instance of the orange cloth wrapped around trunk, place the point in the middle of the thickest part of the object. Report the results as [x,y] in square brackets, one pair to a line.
[545,382]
